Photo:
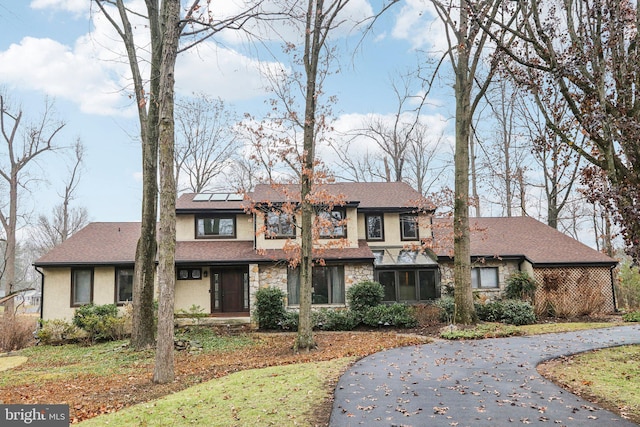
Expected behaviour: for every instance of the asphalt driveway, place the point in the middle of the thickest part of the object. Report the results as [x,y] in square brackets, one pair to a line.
[491,382]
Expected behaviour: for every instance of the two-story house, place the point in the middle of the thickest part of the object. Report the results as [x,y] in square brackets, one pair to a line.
[230,245]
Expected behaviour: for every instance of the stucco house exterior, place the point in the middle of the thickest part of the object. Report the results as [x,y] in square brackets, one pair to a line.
[230,245]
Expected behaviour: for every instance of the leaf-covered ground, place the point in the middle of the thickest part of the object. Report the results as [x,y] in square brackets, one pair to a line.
[90,393]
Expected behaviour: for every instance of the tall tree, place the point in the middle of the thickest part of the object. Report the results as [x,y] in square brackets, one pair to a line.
[201,25]
[315,21]
[206,141]
[23,144]
[142,333]
[163,371]
[466,54]
[588,52]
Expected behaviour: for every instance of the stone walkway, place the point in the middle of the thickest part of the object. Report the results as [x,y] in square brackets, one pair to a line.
[491,382]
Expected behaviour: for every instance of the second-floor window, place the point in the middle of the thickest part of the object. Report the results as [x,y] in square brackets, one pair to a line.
[216,227]
[375,227]
[409,227]
[280,225]
[332,224]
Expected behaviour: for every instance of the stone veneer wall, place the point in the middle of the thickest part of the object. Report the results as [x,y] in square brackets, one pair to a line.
[262,275]
[505,269]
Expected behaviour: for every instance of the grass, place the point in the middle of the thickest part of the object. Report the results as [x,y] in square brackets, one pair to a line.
[281,395]
[498,330]
[608,377]
[8,362]
[51,362]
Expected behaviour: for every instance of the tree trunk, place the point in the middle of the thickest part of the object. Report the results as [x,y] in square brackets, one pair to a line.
[164,363]
[464,309]
[10,250]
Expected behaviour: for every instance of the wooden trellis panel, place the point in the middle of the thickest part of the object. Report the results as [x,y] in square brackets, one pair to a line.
[573,291]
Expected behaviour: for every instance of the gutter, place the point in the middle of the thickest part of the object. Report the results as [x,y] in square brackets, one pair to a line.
[41,291]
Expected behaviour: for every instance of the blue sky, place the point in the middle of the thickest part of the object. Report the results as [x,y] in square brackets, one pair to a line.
[58,49]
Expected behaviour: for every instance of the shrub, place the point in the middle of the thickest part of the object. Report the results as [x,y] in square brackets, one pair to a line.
[491,311]
[58,331]
[364,295]
[634,316]
[521,286]
[399,315]
[513,312]
[270,309]
[518,313]
[16,332]
[289,321]
[428,314]
[100,322]
[336,320]
[447,307]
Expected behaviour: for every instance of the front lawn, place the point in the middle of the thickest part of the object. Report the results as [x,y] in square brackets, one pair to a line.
[108,377]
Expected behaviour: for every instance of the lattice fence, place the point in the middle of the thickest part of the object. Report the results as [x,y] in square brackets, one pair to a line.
[573,291]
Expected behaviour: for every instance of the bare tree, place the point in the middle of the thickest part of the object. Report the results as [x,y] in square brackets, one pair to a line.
[23,144]
[588,52]
[466,54]
[64,219]
[198,25]
[206,141]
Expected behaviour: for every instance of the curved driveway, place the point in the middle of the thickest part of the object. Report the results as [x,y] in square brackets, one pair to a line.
[490,382]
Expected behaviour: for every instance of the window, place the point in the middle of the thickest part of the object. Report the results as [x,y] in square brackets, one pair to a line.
[280,225]
[328,285]
[216,227]
[189,273]
[378,256]
[332,224]
[409,227]
[409,285]
[407,257]
[81,286]
[124,285]
[484,277]
[375,227]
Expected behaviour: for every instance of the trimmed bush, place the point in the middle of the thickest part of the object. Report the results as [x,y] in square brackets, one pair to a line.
[518,313]
[335,320]
[521,286]
[364,295]
[270,309]
[290,321]
[398,315]
[97,321]
[491,311]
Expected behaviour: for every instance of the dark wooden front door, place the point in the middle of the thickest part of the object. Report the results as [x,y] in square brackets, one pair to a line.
[231,290]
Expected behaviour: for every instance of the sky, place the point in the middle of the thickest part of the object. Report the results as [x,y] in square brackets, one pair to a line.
[65,52]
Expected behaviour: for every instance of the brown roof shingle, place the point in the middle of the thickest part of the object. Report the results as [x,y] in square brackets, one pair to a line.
[102,243]
[370,195]
[519,237]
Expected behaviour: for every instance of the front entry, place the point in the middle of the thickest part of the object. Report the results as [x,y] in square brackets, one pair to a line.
[230,291]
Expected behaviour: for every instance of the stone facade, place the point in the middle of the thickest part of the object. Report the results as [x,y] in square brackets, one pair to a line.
[262,276]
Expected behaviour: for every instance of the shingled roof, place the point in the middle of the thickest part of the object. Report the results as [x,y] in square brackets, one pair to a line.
[369,196]
[519,237]
[111,243]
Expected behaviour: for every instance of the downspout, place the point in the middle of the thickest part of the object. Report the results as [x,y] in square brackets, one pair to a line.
[41,291]
[613,289]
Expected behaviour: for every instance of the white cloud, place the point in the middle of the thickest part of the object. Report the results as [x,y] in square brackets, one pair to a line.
[94,72]
[418,23]
[75,6]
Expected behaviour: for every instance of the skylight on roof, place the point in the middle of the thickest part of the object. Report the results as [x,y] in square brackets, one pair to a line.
[202,197]
[218,197]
